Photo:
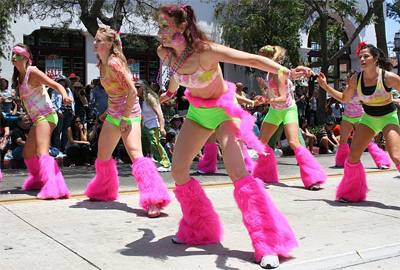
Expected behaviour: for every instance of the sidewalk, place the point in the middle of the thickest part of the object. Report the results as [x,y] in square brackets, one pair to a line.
[79,234]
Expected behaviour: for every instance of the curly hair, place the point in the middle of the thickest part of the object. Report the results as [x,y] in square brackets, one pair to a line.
[275,53]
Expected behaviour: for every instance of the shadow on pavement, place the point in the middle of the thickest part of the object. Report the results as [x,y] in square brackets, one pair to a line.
[356,204]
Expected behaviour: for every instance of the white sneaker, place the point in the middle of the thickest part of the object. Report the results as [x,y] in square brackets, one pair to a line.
[384,167]
[163,169]
[269,261]
[329,151]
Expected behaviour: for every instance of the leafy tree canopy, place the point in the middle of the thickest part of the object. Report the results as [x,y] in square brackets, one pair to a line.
[5,33]
[251,24]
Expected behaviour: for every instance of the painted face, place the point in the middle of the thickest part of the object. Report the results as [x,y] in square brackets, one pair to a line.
[166,30]
[99,44]
[17,58]
[366,58]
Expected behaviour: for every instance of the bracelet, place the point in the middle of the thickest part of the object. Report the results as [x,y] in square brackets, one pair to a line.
[125,118]
[265,89]
[281,71]
[290,73]
[170,94]
[253,103]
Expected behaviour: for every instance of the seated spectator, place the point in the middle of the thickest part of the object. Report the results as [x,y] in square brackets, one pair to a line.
[6,95]
[309,138]
[77,148]
[20,135]
[176,124]
[81,102]
[4,137]
[94,138]
[18,106]
[169,146]
[326,140]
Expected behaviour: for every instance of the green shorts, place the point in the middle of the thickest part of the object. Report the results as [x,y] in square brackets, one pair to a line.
[209,118]
[116,122]
[379,123]
[352,121]
[276,117]
[52,118]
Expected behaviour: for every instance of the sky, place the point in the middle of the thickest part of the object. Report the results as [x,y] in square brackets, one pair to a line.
[391,28]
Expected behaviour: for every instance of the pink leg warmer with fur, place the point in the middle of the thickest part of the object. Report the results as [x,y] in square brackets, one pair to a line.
[104,186]
[378,155]
[54,187]
[1,175]
[311,172]
[268,228]
[342,154]
[208,163]
[398,167]
[353,186]
[33,181]
[150,184]
[266,167]
[200,224]
[248,162]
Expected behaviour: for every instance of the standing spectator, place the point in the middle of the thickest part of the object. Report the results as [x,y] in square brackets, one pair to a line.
[181,101]
[98,101]
[156,88]
[326,140]
[6,95]
[170,144]
[81,102]
[44,173]
[337,110]
[65,113]
[153,127]
[73,79]
[300,99]
[77,148]
[20,135]
[4,137]
[246,92]
[314,107]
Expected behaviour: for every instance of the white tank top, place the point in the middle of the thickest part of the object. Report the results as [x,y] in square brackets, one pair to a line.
[149,116]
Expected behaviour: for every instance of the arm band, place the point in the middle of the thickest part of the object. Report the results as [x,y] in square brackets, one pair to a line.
[281,71]
[125,118]
[170,94]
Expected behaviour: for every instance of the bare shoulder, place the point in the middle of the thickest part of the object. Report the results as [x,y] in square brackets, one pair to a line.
[391,78]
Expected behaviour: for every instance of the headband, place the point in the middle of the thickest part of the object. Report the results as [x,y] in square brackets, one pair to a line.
[360,45]
[24,52]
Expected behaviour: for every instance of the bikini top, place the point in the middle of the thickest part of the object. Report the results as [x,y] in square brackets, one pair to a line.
[200,78]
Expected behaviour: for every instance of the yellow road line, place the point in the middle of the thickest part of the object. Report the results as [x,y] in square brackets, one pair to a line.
[212,185]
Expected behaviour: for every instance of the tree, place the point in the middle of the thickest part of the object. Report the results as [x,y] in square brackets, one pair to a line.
[380,29]
[249,25]
[5,33]
[91,13]
[330,29]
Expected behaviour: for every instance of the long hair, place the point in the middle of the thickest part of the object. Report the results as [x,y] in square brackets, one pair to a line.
[147,91]
[383,61]
[275,53]
[74,129]
[111,35]
[15,77]
[1,84]
[194,37]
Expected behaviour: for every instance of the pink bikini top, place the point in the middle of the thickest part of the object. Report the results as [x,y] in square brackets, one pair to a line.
[200,78]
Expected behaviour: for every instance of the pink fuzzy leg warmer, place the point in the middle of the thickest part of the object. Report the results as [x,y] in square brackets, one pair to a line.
[342,154]
[311,172]
[227,102]
[1,175]
[150,184]
[54,187]
[353,186]
[268,228]
[266,167]
[33,181]
[248,162]
[200,223]
[104,186]
[208,163]
[378,155]
[398,167]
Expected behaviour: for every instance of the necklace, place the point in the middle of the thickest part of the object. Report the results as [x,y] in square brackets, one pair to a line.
[173,69]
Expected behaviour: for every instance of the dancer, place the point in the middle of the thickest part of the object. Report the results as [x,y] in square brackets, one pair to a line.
[122,118]
[353,110]
[44,173]
[373,86]
[283,109]
[193,62]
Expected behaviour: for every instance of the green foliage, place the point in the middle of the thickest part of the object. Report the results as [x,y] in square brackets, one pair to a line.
[5,33]
[315,130]
[249,25]
[394,10]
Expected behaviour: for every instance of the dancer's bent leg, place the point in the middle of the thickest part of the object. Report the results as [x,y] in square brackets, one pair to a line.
[342,154]
[353,187]
[312,174]
[266,167]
